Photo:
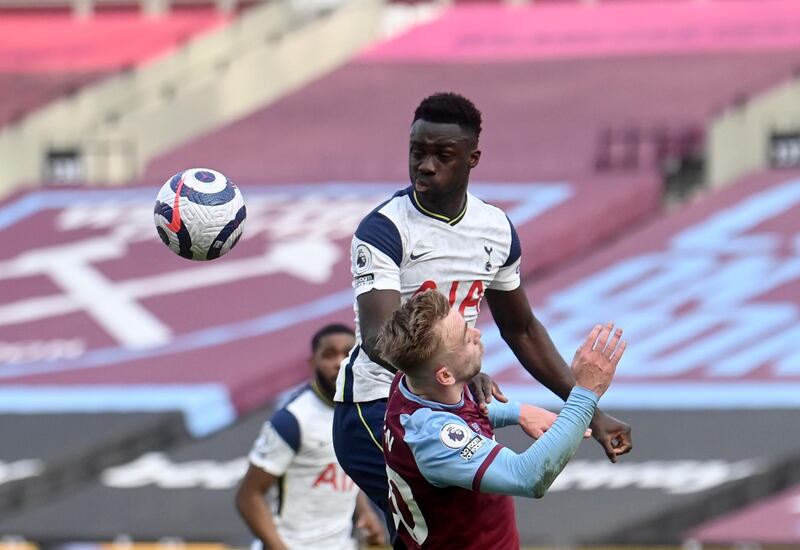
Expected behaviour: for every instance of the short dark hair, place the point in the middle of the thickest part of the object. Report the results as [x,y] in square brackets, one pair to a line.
[450,108]
[333,328]
[409,339]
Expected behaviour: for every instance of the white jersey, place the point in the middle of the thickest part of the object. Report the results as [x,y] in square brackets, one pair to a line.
[401,246]
[316,500]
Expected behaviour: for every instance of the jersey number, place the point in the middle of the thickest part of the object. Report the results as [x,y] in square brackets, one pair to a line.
[472,299]
[400,498]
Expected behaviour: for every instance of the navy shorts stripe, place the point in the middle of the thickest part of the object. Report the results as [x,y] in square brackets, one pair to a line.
[348,375]
[357,453]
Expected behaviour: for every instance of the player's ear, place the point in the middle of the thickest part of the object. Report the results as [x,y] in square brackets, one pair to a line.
[444,376]
[474,158]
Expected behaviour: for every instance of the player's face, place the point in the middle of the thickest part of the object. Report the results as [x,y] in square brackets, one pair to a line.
[440,158]
[332,349]
[465,347]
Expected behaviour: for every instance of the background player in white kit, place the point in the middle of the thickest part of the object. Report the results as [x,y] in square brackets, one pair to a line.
[294,453]
[436,235]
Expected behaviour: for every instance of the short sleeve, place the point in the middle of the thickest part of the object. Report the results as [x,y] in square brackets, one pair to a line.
[376,253]
[277,444]
[447,452]
[508,276]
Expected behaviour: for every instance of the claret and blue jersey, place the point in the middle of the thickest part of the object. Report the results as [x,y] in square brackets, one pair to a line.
[436,456]
[401,246]
[450,482]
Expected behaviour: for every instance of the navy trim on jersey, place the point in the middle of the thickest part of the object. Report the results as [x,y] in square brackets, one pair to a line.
[516,250]
[379,231]
[348,375]
[287,427]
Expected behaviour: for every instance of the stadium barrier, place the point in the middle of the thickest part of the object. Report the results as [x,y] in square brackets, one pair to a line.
[114,128]
[755,133]
[69,471]
[85,8]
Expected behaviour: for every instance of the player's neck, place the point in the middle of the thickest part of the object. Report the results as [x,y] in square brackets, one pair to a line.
[450,206]
[323,389]
[431,391]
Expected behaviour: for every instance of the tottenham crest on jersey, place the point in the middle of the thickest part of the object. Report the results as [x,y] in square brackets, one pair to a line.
[488,249]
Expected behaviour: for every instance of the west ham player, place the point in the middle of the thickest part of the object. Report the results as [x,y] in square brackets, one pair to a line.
[449,479]
[294,452]
[436,235]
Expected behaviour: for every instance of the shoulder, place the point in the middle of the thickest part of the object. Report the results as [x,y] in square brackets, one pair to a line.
[387,213]
[381,227]
[287,421]
[496,221]
[489,212]
[436,426]
[286,425]
[308,408]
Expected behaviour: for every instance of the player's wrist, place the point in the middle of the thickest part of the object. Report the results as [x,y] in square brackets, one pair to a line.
[517,410]
[585,393]
[504,414]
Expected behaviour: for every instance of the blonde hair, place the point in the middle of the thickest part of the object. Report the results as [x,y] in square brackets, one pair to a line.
[410,339]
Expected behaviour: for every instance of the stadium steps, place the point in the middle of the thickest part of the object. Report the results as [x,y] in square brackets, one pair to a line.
[49,54]
[117,126]
[23,93]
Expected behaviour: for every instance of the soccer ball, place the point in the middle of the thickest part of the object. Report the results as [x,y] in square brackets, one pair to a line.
[199,214]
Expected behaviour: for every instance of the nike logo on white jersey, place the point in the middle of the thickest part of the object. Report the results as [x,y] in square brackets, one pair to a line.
[413,256]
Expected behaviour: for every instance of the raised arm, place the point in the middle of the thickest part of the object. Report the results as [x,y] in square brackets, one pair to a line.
[530,474]
[533,420]
[489,467]
[534,349]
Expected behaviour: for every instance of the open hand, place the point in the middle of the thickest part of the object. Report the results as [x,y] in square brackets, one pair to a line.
[596,360]
[594,366]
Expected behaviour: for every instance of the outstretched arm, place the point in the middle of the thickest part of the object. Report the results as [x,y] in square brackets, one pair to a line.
[533,420]
[448,453]
[534,349]
[530,474]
